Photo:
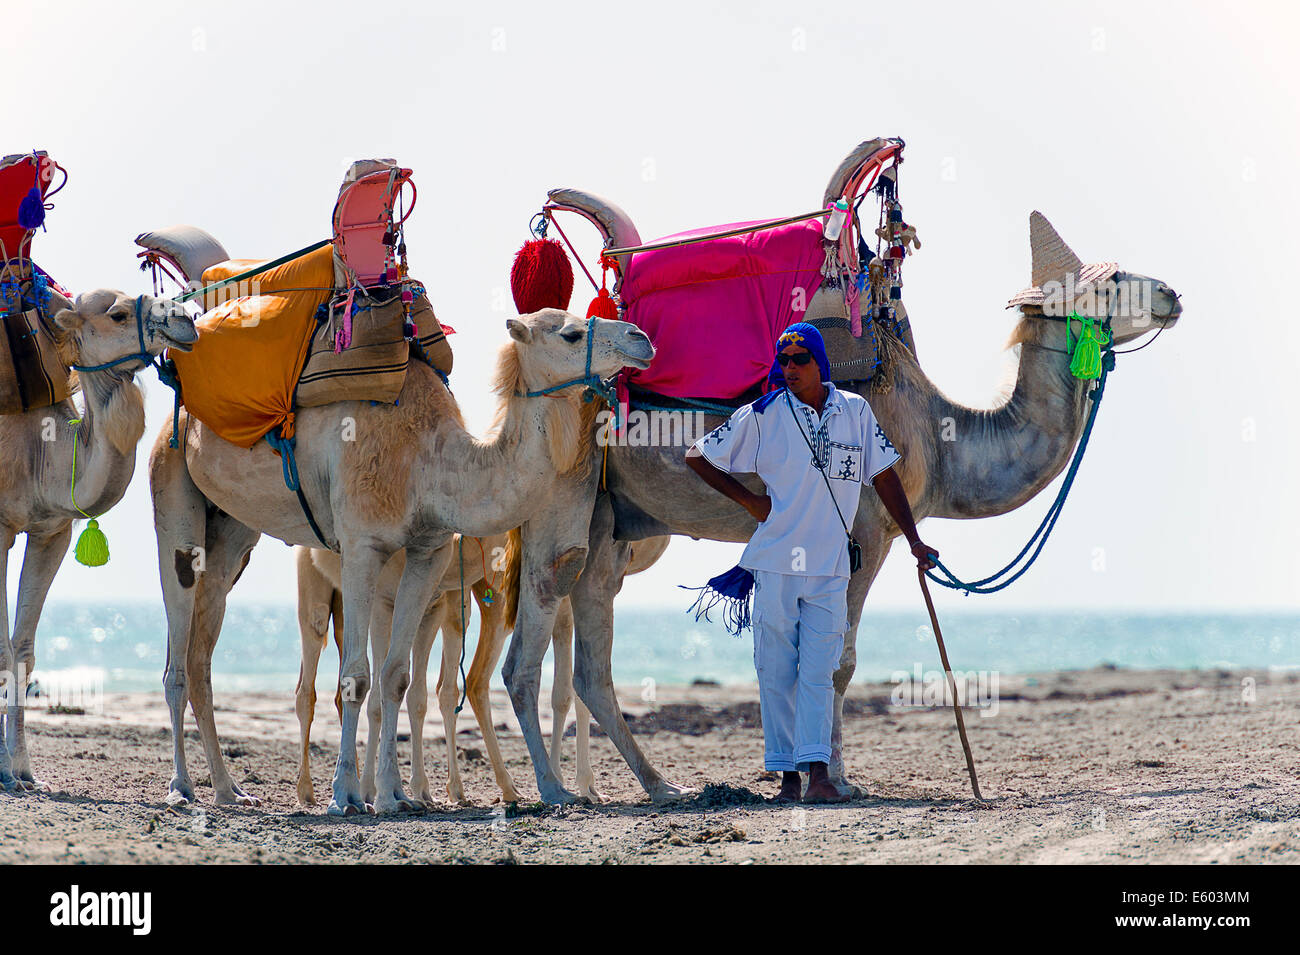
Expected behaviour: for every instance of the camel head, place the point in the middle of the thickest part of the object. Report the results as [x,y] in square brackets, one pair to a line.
[103,327]
[1143,305]
[551,346]
[1064,285]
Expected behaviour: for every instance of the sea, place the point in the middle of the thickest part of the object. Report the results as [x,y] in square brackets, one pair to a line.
[123,647]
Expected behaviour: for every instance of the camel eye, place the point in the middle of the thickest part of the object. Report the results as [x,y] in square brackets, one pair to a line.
[571,334]
[119,314]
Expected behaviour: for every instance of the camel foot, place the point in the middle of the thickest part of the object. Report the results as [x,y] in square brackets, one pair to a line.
[665,792]
[306,795]
[848,788]
[395,801]
[347,799]
[180,792]
[456,795]
[556,795]
[591,794]
[237,797]
[9,782]
[32,785]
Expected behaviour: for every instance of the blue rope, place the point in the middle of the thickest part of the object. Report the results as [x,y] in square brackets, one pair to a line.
[596,387]
[288,462]
[987,585]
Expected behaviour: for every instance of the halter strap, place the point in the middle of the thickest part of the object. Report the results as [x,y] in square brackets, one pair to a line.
[595,385]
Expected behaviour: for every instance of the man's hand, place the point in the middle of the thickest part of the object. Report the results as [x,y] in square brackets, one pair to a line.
[759,506]
[925,555]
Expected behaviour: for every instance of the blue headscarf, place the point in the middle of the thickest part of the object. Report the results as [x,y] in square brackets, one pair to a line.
[733,589]
[805,336]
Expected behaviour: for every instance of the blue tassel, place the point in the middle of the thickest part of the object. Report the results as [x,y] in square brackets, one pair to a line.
[732,590]
[31,211]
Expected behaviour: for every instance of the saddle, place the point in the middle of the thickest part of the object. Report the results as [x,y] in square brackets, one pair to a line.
[33,373]
[339,321]
[714,309]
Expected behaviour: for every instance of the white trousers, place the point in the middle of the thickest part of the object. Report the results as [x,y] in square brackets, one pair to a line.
[799,624]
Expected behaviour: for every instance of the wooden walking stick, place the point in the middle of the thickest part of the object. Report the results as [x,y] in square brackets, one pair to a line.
[952,684]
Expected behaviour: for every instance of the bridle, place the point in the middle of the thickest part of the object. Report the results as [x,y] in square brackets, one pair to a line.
[594,385]
[142,355]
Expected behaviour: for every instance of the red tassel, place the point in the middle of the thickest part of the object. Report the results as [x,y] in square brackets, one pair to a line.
[541,276]
[603,306]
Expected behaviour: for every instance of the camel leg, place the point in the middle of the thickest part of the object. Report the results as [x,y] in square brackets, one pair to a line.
[381,629]
[10,688]
[180,522]
[40,563]
[417,699]
[229,544]
[562,677]
[453,604]
[548,571]
[491,640]
[874,552]
[593,613]
[424,567]
[586,777]
[315,602]
[362,561]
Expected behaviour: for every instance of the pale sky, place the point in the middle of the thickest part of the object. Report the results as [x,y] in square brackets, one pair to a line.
[1163,137]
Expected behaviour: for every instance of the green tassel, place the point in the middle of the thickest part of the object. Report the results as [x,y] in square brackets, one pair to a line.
[1085,363]
[92,546]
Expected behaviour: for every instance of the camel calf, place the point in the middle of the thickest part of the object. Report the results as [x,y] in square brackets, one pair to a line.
[320,604]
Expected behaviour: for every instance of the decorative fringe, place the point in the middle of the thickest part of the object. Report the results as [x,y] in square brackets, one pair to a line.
[92,546]
[1085,363]
[731,589]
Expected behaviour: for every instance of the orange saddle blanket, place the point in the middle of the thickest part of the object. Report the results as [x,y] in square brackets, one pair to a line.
[239,380]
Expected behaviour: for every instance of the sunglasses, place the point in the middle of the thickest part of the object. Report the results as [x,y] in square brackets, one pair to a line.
[801,358]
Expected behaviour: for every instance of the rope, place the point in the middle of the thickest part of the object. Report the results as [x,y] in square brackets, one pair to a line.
[987,585]
[761,227]
[274,263]
[72,491]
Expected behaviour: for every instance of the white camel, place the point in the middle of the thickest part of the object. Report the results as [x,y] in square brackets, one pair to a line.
[412,476]
[37,484]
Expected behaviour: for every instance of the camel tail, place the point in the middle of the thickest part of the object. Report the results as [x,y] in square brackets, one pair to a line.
[514,559]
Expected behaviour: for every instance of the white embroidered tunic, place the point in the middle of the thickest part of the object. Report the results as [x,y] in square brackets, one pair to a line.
[802,534]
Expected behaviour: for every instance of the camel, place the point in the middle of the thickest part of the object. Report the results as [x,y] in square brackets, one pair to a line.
[379,479]
[958,462]
[36,481]
[320,604]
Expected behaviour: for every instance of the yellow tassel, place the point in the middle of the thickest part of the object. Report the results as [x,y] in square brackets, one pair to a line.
[92,546]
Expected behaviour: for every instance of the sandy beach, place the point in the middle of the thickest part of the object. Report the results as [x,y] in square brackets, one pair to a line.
[1098,766]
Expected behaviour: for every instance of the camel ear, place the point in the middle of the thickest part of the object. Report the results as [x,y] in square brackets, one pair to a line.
[68,319]
[519,331]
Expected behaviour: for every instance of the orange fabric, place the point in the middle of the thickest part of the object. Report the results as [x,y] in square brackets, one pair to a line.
[240,377]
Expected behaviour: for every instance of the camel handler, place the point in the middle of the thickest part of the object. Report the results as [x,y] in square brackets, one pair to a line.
[811,444]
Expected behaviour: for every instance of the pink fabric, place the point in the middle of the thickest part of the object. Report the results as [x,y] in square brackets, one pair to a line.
[715,309]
